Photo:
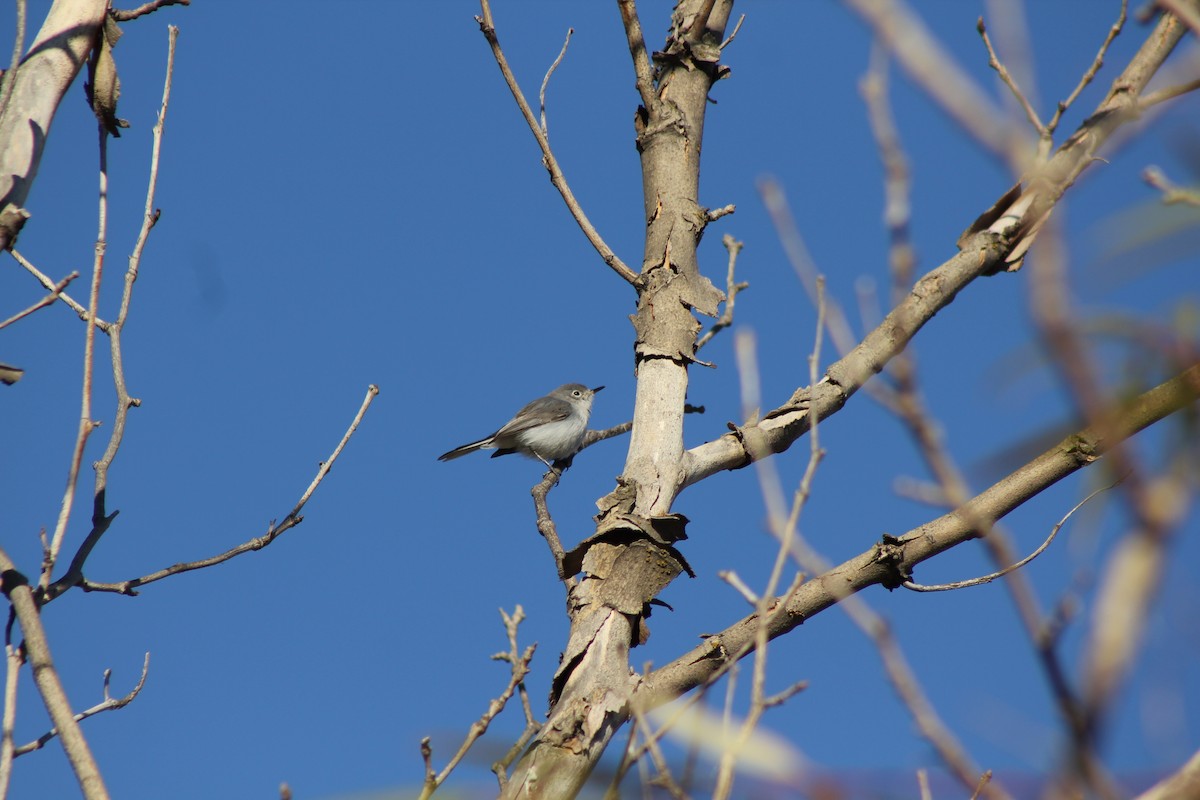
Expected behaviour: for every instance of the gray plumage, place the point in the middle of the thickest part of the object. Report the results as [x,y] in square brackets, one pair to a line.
[549,429]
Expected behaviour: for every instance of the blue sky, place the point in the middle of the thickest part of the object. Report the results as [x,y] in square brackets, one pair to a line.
[350,197]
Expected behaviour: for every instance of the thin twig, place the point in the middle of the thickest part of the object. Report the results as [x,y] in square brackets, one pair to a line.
[935,72]
[651,737]
[802,262]
[995,63]
[1167,93]
[591,437]
[47,283]
[488,28]
[545,523]
[923,784]
[643,73]
[45,301]
[784,527]
[546,82]
[984,780]
[86,423]
[1091,71]
[1172,194]
[906,400]
[101,519]
[732,288]
[147,8]
[897,209]
[906,684]
[945,587]
[737,27]
[109,703]
[274,531]
[732,578]
[519,663]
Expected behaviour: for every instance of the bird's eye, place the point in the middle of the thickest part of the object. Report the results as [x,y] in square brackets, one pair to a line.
[577,393]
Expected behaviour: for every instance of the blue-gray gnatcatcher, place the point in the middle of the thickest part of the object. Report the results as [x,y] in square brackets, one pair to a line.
[549,428]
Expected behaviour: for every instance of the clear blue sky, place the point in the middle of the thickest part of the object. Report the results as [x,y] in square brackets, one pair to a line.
[350,197]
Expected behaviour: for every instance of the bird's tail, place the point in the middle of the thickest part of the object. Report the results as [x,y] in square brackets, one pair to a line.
[459,452]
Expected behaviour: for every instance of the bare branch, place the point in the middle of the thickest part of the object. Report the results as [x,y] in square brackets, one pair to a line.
[885,563]
[935,71]
[45,301]
[944,587]
[86,423]
[109,703]
[897,209]
[784,527]
[45,281]
[593,436]
[802,262]
[732,289]
[1091,71]
[101,520]
[995,63]
[997,241]
[739,586]
[643,74]
[488,28]
[546,81]
[274,531]
[1172,193]
[1168,93]
[147,8]
[923,784]
[531,725]
[520,668]
[545,523]
[45,676]
[737,27]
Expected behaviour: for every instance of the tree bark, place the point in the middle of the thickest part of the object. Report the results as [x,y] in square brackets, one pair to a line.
[45,74]
[632,557]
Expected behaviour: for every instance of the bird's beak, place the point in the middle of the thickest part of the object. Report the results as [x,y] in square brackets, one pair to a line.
[598,388]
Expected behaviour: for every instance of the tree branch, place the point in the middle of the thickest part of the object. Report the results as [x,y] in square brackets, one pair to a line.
[107,704]
[488,28]
[998,240]
[45,676]
[146,8]
[294,518]
[890,562]
[40,304]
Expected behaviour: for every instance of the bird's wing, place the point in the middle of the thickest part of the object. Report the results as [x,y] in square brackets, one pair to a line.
[547,410]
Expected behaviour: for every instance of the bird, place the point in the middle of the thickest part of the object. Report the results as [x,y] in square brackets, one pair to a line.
[549,429]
